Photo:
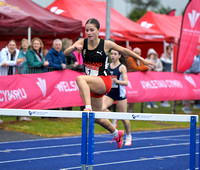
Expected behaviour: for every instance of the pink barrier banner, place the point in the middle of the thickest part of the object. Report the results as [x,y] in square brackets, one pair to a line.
[161,86]
[58,89]
[40,91]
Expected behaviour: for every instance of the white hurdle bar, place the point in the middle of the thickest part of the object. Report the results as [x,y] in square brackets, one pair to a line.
[87,150]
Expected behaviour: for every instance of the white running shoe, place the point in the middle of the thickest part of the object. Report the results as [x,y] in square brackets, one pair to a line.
[25,118]
[128,141]
[1,121]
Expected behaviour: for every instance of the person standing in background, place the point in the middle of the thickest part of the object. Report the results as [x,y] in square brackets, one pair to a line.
[35,60]
[135,65]
[152,55]
[9,58]
[56,57]
[24,45]
[167,61]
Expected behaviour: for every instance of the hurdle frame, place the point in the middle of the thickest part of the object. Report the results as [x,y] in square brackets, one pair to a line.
[87,148]
[137,116]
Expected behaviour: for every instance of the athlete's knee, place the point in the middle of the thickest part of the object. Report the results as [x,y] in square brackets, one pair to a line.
[99,121]
[79,79]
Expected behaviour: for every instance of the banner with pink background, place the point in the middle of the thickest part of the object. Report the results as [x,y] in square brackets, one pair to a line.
[58,89]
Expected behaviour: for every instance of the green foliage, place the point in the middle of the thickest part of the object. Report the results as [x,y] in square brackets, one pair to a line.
[136,14]
[163,10]
[142,6]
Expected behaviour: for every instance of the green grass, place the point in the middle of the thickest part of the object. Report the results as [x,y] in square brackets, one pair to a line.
[56,127]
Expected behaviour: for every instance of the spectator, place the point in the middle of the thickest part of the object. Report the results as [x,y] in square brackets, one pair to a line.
[24,45]
[34,56]
[153,56]
[78,64]
[167,60]
[56,57]
[70,58]
[9,58]
[194,69]
[45,51]
[135,65]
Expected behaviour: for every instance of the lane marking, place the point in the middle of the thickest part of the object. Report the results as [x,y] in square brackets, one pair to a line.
[135,160]
[98,152]
[102,142]
[61,138]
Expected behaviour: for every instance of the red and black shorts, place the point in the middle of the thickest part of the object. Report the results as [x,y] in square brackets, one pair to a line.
[108,83]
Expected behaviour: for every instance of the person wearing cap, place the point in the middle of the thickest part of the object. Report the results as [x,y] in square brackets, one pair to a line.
[152,55]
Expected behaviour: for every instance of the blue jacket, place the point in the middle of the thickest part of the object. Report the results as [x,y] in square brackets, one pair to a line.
[56,59]
[195,68]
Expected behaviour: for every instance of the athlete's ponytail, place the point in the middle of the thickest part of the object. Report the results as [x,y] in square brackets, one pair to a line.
[122,59]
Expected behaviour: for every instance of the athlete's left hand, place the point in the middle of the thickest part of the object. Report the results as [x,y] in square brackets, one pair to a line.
[150,64]
[115,80]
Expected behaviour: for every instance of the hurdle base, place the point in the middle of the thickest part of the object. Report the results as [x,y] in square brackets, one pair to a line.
[90,167]
[83,166]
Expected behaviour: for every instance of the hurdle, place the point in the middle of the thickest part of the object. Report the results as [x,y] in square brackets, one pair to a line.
[87,139]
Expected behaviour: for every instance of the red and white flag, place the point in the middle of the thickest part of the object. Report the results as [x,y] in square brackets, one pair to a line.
[190,32]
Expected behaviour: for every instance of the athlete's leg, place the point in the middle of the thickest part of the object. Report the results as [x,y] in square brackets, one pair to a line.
[122,107]
[88,83]
[105,123]
[107,102]
[118,135]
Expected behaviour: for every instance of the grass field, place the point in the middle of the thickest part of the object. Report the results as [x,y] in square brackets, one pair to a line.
[55,127]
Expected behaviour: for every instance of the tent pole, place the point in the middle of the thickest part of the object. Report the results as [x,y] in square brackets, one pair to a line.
[108,6]
[29,35]
[127,43]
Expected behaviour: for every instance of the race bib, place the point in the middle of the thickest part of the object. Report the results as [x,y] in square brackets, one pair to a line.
[92,70]
[114,85]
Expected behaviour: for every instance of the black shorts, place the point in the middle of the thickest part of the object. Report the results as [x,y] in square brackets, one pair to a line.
[114,94]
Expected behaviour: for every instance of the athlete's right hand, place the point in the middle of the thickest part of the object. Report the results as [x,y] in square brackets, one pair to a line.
[78,47]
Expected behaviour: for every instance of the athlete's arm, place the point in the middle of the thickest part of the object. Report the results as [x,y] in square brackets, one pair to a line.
[125,51]
[78,45]
[123,71]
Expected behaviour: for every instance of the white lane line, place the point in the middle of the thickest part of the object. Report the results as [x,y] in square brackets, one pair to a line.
[98,152]
[35,148]
[97,135]
[43,139]
[135,160]
[102,142]
[39,158]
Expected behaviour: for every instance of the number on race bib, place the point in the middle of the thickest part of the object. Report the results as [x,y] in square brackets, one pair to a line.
[92,70]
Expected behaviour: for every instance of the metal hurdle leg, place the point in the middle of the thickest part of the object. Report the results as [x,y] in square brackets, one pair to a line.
[91,142]
[192,142]
[84,141]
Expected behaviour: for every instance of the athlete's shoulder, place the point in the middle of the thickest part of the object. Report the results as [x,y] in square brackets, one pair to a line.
[122,68]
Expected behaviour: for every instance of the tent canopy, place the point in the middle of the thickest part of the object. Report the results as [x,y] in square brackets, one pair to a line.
[120,26]
[17,15]
[170,26]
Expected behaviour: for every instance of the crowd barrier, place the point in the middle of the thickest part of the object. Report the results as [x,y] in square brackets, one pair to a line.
[58,89]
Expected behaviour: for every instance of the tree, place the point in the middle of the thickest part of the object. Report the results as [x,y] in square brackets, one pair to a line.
[142,6]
